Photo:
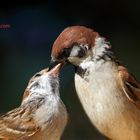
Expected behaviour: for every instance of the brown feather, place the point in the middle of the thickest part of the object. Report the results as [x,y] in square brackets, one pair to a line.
[130,86]
[16,123]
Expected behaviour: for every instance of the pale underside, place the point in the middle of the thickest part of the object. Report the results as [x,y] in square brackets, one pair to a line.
[106,104]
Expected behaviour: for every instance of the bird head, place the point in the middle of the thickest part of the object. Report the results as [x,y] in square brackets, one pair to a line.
[77,44]
[45,82]
[73,45]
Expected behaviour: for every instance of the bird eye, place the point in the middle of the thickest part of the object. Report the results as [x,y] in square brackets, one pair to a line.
[81,52]
[65,53]
[37,75]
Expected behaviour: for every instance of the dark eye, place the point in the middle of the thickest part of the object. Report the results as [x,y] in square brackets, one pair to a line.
[81,52]
[37,75]
[35,85]
[65,53]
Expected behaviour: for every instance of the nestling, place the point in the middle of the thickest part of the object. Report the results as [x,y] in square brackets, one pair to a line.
[110,95]
[41,115]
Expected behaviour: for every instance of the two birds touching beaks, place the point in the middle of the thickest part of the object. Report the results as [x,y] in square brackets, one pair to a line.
[109,94]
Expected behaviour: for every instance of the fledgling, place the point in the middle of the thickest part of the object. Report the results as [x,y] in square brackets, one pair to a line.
[110,95]
[41,115]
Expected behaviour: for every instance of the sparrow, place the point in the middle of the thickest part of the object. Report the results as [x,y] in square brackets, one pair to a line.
[109,94]
[41,115]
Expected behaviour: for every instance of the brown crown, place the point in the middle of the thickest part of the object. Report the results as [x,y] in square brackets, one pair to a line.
[73,35]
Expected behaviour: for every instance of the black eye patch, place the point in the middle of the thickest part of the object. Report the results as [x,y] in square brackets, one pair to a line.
[81,52]
[65,53]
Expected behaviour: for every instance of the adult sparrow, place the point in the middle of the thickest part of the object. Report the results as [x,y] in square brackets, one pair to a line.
[110,95]
[41,115]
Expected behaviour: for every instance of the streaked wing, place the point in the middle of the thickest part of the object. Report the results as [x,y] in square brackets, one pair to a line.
[17,124]
[130,86]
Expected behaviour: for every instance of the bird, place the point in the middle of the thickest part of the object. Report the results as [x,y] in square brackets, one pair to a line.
[42,115]
[108,92]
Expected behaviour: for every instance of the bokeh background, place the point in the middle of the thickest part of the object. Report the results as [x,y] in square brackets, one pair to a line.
[25,47]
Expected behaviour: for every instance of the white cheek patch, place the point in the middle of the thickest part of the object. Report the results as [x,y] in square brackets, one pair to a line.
[75,50]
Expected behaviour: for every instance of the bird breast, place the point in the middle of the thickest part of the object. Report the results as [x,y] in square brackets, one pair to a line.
[105,103]
[53,116]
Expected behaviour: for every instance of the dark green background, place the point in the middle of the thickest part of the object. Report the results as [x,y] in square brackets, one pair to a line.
[25,47]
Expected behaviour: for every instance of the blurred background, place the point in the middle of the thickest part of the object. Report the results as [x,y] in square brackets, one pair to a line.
[32,27]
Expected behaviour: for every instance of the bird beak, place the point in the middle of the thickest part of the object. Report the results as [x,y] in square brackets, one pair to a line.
[54,68]
[54,62]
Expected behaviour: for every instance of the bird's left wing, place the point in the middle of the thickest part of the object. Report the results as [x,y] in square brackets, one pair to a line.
[17,124]
[130,86]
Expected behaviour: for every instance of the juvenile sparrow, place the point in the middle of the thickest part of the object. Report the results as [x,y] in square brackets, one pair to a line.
[110,95]
[41,115]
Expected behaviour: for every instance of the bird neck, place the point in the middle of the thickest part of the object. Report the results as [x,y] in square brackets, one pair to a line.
[41,90]
[102,50]
[100,54]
